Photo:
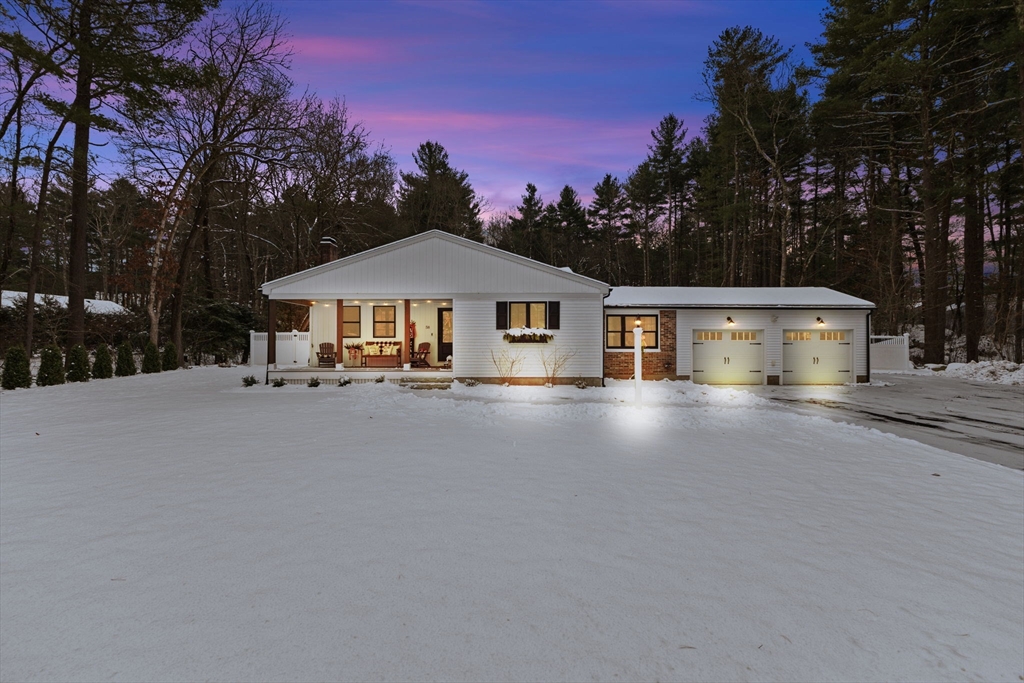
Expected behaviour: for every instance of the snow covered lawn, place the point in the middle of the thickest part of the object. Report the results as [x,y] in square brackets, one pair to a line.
[180,527]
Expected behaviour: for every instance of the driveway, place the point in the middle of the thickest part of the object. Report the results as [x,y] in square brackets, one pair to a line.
[981,420]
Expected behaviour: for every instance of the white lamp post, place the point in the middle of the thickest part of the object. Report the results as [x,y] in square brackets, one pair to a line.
[638,361]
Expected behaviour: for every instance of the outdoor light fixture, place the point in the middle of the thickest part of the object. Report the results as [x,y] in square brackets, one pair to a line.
[820,321]
[638,323]
[313,303]
[729,320]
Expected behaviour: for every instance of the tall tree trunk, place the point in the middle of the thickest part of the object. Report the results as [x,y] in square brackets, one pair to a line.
[37,235]
[81,114]
[199,223]
[12,220]
[935,285]
[974,263]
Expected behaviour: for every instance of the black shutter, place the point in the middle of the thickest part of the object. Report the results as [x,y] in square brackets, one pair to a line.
[554,315]
[501,316]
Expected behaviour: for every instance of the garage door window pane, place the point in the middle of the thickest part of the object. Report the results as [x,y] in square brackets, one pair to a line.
[833,336]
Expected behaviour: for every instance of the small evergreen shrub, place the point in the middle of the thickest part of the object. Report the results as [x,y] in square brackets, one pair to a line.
[250,381]
[103,365]
[313,382]
[169,360]
[125,361]
[78,364]
[150,359]
[380,379]
[344,381]
[470,382]
[51,367]
[16,373]
[279,382]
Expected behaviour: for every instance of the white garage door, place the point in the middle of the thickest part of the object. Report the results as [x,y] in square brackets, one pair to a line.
[728,357]
[817,356]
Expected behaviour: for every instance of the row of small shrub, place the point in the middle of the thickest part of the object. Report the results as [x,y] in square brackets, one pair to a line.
[18,375]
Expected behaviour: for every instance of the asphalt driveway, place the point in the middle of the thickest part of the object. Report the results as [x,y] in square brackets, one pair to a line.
[981,420]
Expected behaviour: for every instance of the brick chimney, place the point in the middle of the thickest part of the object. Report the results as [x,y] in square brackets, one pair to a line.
[328,250]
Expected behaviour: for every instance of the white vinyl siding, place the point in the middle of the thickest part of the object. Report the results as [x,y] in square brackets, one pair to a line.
[854,322]
[431,268]
[581,330]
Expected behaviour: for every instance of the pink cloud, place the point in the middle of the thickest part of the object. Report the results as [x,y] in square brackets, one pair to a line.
[308,48]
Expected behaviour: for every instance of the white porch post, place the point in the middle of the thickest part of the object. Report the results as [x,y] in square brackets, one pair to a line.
[638,362]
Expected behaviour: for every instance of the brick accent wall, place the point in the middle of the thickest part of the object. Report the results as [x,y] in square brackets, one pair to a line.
[657,365]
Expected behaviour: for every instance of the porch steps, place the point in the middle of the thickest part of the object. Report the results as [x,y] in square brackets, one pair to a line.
[425,382]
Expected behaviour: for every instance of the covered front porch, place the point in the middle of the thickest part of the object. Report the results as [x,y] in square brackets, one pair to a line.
[372,334]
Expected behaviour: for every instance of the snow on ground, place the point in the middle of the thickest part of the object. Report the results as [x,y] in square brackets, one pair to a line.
[1000,371]
[9,299]
[179,526]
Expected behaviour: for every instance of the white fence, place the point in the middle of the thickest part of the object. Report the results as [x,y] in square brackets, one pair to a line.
[292,348]
[890,353]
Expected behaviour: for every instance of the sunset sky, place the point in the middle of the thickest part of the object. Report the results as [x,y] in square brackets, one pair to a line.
[543,92]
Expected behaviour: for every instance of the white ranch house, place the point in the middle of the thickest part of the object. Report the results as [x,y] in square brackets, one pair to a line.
[437,305]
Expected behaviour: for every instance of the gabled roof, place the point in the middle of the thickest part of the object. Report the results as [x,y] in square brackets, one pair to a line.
[432,262]
[733,297]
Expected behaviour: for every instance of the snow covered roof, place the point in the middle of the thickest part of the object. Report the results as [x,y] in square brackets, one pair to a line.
[98,306]
[733,297]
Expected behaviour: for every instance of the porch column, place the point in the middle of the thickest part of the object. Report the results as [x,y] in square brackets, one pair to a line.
[338,358]
[405,342]
[272,333]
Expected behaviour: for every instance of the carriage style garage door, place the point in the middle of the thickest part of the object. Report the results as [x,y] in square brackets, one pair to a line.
[728,357]
[817,356]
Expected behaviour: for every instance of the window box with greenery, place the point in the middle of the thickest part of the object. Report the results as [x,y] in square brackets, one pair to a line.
[619,331]
[528,322]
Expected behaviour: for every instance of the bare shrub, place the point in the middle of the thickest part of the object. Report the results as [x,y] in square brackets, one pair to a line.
[554,363]
[508,364]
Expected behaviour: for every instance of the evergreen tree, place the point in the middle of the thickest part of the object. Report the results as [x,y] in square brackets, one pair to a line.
[606,215]
[78,364]
[103,366]
[51,367]
[150,359]
[169,360]
[526,228]
[125,361]
[16,373]
[667,159]
[439,197]
[568,231]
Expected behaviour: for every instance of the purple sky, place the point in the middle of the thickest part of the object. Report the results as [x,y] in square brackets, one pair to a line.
[543,92]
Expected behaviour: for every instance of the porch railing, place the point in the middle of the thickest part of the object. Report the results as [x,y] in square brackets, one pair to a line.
[292,348]
[890,352]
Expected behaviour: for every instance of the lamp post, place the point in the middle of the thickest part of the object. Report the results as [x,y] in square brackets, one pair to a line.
[638,361]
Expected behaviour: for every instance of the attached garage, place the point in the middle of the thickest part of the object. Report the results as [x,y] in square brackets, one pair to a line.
[817,356]
[745,335]
[728,357]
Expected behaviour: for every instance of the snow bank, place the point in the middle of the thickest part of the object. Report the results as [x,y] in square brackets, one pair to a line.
[1000,371]
[180,527]
[99,306]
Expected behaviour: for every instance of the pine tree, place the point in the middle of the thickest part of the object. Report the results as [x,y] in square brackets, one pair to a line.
[78,364]
[103,366]
[169,360]
[150,359]
[51,367]
[125,361]
[16,373]
[439,197]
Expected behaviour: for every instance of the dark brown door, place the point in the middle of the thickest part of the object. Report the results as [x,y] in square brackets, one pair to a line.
[445,330]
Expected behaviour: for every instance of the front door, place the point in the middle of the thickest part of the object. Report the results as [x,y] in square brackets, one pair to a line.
[444,334]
